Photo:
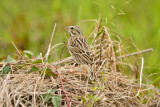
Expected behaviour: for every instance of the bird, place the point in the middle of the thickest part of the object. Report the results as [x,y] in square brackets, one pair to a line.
[79,48]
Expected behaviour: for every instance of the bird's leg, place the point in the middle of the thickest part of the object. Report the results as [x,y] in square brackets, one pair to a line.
[89,70]
[85,68]
[91,73]
[93,76]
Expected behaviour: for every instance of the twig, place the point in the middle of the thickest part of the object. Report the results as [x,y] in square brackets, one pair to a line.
[136,53]
[68,102]
[120,57]
[70,58]
[62,61]
[56,45]
[113,53]
[17,50]
[140,84]
[3,65]
[101,65]
[49,47]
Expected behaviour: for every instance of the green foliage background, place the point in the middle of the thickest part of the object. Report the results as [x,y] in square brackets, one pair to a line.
[29,24]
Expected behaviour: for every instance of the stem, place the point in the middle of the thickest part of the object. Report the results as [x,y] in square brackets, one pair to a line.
[68,102]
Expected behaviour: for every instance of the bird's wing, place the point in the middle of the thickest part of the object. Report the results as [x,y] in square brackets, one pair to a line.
[80,49]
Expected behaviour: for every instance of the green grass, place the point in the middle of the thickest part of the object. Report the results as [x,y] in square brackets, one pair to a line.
[29,25]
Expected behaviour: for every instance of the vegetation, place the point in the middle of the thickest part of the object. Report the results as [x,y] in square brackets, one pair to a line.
[35,82]
[29,24]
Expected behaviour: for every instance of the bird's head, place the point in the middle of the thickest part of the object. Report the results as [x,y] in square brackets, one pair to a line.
[74,30]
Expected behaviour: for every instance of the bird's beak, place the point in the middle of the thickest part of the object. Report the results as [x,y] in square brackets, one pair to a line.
[66,28]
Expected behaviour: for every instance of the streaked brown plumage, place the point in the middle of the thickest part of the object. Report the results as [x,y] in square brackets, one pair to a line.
[78,46]
[80,50]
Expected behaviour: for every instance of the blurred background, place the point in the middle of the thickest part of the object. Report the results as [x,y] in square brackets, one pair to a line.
[29,25]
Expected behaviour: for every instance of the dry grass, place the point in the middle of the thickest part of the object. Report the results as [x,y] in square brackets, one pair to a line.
[112,88]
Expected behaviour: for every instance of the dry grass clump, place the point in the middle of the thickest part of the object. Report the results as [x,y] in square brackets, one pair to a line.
[111,89]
